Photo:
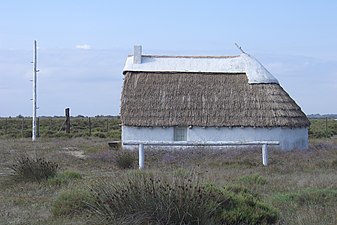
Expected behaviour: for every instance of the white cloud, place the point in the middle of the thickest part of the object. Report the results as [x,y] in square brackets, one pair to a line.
[84,46]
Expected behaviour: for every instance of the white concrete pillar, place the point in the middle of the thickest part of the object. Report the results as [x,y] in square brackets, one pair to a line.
[265,154]
[141,156]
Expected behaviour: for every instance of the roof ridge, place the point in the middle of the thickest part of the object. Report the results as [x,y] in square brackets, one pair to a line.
[242,63]
[190,56]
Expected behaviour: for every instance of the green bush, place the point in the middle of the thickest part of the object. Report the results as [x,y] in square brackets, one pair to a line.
[71,202]
[308,196]
[334,164]
[124,160]
[246,208]
[99,134]
[29,169]
[253,179]
[322,128]
[64,178]
[115,134]
[241,190]
[145,199]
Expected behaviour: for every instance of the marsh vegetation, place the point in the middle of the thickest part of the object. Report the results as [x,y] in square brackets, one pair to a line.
[298,187]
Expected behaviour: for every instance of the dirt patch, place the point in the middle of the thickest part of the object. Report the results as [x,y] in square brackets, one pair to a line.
[74,152]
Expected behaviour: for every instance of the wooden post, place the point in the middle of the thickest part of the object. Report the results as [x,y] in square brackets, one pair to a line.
[265,155]
[67,120]
[141,156]
[89,126]
[107,125]
[22,125]
[326,127]
[6,126]
[50,124]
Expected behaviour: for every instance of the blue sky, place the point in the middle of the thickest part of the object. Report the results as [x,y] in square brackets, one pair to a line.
[83,46]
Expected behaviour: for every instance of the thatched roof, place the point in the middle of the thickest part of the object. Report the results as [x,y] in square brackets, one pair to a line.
[205,99]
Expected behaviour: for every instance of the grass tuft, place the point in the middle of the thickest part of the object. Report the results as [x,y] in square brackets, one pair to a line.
[253,179]
[146,199]
[125,160]
[308,196]
[29,169]
[64,178]
[71,202]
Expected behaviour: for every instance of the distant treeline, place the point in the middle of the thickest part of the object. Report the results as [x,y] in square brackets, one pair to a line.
[319,116]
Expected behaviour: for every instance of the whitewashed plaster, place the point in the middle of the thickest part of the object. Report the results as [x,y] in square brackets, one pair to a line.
[289,138]
[243,63]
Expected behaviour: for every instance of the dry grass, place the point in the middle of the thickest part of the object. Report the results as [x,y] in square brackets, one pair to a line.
[298,173]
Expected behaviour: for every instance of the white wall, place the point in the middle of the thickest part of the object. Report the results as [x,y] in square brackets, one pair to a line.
[146,133]
[296,138]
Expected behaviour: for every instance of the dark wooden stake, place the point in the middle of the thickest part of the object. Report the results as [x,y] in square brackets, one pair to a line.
[6,126]
[22,125]
[50,124]
[89,126]
[326,126]
[67,120]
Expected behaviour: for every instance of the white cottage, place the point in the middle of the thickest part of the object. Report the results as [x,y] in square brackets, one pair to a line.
[207,98]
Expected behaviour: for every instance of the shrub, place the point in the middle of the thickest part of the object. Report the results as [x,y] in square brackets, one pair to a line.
[240,190]
[124,160]
[99,134]
[115,134]
[146,199]
[71,202]
[247,208]
[28,169]
[334,164]
[253,179]
[64,178]
[308,196]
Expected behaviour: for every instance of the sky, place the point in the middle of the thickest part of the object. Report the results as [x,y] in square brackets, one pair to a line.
[83,45]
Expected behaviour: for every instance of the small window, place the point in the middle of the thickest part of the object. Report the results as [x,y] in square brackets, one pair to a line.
[180,134]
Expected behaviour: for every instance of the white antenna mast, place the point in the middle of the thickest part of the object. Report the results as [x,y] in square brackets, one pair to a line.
[34,92]
[239,47]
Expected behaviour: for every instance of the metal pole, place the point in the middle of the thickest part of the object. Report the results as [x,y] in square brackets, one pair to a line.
[265,154]
[34,93]
[141,156]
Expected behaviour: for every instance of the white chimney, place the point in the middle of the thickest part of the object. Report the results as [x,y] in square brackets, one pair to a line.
[137,54]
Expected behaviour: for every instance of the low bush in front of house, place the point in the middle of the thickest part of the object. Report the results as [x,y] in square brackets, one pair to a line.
[64,178]
[71,202]
[143,198]
[125,160]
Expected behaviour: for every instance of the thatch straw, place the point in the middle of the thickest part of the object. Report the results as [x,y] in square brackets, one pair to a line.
[206,100]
